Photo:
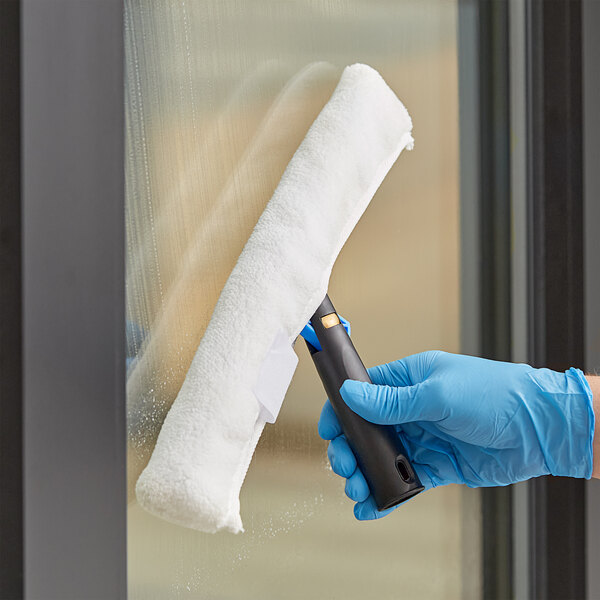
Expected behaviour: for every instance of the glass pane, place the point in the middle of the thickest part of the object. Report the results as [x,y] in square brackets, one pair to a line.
[219,95]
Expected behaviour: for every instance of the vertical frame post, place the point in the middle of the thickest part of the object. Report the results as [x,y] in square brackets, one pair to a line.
[485,235]
[495,244]
[555,200]
[591,129]
[11,431]
[73,276]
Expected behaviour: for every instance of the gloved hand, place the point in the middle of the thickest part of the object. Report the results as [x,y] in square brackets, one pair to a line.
[469,420]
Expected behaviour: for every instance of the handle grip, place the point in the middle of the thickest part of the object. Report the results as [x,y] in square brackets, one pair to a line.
[379,452]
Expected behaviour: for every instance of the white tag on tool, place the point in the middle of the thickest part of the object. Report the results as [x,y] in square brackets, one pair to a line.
[275,376]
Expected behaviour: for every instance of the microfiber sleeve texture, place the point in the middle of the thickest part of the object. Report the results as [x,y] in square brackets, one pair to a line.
[205,446]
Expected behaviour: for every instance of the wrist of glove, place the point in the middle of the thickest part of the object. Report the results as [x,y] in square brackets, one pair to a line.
[469,420]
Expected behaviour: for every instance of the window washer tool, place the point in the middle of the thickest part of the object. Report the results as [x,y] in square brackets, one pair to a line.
[380,454]
[244,363]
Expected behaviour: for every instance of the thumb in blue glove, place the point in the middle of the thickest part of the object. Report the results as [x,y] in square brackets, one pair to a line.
[469,420]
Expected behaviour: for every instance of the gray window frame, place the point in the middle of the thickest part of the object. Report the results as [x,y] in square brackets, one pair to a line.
[526,144]
[67,515]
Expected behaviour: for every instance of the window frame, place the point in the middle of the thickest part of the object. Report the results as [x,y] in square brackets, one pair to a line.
[11,454]
[554,119]
[523,63]
[63,530]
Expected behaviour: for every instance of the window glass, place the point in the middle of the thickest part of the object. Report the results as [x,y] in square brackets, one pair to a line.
[219,93]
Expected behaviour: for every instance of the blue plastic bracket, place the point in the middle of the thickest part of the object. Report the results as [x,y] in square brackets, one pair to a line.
[308,333]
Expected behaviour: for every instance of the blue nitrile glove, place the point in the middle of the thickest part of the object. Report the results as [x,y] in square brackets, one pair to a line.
[469,420]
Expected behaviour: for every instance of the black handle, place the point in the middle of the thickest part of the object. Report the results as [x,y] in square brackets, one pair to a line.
[379,452]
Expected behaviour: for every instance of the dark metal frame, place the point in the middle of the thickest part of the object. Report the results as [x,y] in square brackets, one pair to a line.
[486,201]
[63,530]
[494,186]
[556,295]
[554,198]
[11,441]
[591,129]
[495,278]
